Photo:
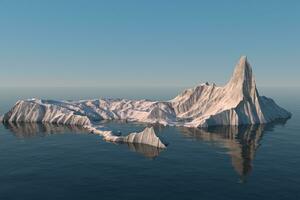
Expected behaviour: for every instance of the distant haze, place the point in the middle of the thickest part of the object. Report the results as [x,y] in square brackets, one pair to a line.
[147,43]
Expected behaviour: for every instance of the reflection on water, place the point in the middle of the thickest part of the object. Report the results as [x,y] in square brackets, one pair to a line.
[241,142]
[146,150]
[28,130]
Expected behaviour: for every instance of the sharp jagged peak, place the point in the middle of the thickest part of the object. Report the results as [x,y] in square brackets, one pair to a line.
[243,78]
[242,71]
[241,85]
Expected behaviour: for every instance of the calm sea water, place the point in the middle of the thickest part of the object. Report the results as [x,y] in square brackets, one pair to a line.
[59,162]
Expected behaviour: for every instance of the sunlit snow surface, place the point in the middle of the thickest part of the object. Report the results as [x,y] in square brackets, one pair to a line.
[236,103]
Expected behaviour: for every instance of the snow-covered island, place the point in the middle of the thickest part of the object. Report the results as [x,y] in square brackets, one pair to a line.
[236,103]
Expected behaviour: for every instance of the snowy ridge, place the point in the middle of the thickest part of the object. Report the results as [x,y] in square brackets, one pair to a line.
[147,136]
[34,110]
[236,103]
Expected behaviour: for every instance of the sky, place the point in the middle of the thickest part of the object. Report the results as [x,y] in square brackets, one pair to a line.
[151,43]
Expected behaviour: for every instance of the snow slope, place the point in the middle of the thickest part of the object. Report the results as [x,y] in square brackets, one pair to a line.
[236,103]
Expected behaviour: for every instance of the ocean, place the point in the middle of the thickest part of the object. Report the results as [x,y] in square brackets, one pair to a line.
[43,161]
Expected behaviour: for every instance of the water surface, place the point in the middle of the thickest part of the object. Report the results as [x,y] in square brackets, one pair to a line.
[42,161]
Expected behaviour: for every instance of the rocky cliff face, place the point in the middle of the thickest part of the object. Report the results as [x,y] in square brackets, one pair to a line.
[236,103]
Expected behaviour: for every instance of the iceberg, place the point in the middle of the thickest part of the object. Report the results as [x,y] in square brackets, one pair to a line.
[236,103]
[147,136]
[30,130]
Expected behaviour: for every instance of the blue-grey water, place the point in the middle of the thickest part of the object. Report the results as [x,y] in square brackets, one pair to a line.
[59,162]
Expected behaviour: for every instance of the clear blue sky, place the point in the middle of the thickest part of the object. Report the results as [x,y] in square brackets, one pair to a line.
[147,43]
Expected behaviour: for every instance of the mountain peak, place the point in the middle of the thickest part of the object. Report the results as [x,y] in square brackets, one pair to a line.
[243,58]
[243,78]
[242,68]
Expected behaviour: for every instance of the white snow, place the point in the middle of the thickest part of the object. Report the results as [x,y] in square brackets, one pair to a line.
[236,103]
